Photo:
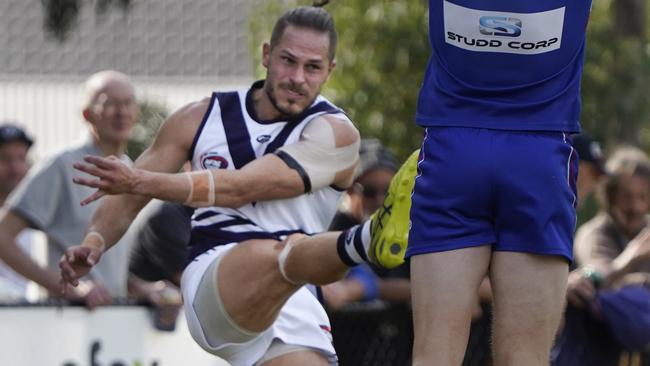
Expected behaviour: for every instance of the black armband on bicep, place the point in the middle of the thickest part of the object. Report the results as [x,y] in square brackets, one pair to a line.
[293,164]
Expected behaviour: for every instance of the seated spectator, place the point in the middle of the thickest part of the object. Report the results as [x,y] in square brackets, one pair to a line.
[613,252]
[376,168]
[14,147]
[614,244]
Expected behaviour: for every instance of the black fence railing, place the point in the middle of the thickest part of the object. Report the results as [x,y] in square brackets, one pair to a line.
[382,335]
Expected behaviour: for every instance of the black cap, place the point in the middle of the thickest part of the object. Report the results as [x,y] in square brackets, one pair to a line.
[9,132]
[589,151]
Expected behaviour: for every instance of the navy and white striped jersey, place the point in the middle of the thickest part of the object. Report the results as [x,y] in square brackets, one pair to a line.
[230,136]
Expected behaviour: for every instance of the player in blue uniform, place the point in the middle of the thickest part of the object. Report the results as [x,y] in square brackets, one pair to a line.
[495,192]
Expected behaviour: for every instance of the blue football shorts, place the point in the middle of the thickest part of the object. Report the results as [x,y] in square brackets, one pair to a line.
[513,190]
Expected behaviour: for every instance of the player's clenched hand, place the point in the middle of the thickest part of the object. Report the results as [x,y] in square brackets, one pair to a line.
[77,262]
[113,176]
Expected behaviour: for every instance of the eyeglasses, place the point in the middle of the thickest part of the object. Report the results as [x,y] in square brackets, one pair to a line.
[103,101]
[117,104]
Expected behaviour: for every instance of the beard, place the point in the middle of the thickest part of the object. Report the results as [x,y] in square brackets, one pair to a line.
[285,112]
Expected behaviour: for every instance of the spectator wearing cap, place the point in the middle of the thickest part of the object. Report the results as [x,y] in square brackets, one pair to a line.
[14,147]
[376,168]
[591,165]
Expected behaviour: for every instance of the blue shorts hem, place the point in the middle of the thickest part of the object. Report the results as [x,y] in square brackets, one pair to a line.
[551,252]
[417,249]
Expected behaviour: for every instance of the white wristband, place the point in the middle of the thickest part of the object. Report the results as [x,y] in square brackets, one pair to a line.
[99,237]
[201,190]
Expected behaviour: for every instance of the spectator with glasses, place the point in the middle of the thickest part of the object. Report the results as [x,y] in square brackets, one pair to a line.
[48,200]
[377,166]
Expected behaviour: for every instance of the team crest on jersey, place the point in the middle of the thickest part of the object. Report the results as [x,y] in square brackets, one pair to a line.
[263,138]
[213,160]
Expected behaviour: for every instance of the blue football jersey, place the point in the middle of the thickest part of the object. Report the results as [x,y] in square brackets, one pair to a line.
[505,64]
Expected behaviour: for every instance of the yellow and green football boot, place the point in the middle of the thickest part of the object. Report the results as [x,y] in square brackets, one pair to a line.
[389,225]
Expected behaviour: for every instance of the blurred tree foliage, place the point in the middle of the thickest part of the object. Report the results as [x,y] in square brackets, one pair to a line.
[152,115]
[615,84]
[383,50]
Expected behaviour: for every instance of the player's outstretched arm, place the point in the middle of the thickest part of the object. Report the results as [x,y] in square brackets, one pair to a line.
[302,167]
[327,154]
[115,213]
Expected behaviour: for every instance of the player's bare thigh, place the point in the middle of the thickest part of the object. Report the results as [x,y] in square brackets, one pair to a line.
[444,289]
[529,292]
[251,286]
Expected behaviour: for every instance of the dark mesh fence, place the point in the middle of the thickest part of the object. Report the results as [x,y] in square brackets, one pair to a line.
[367,335]
[382,335]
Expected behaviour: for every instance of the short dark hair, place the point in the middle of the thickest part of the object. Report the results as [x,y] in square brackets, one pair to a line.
[310,17]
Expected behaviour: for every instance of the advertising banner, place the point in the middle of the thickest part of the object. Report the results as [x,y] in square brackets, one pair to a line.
[109,336]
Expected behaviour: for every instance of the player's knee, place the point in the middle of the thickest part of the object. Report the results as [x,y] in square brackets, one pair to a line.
[297,270]
[287,265]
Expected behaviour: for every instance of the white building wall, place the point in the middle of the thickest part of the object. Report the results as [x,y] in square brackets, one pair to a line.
[50,109]
[175,51]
